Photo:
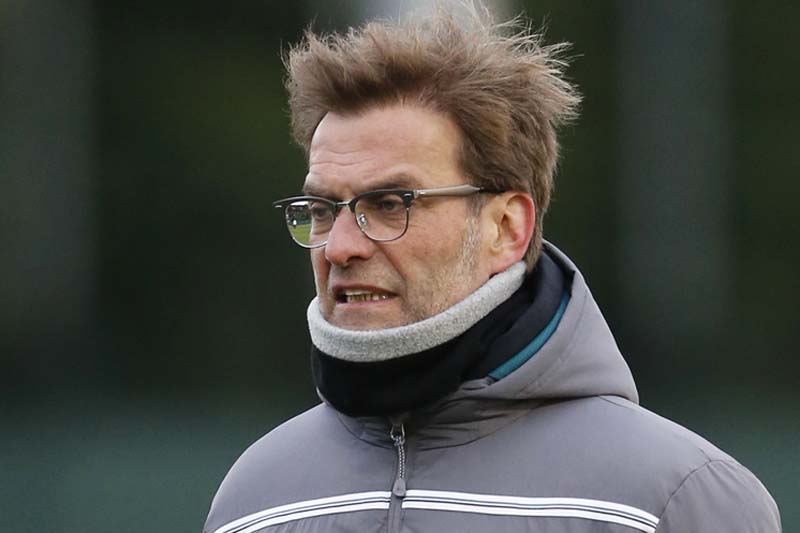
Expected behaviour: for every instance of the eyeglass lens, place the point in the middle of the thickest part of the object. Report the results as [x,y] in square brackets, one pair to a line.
[382,217]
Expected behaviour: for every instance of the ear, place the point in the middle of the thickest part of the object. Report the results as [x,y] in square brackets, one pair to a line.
[509,221]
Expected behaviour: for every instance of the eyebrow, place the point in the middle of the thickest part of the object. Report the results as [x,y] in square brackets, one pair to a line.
[401,180]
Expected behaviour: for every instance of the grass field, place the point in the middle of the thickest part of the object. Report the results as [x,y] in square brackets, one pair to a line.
[301,232]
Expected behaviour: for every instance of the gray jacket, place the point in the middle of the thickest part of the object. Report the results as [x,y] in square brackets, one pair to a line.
[559,445]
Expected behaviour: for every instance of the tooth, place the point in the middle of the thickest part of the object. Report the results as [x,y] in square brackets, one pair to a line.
[365,297]
[357,295]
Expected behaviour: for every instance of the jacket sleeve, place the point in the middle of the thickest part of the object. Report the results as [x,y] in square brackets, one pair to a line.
[720,496]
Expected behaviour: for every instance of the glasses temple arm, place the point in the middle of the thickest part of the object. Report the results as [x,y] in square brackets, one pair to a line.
[455,190]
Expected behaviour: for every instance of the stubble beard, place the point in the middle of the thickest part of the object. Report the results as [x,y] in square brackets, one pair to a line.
[445,286]
[449,283]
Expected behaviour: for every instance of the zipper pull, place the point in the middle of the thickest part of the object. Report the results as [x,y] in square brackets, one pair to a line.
[398,436]
[399,488]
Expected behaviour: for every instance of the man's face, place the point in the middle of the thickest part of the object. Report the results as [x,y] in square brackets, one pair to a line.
[366,285]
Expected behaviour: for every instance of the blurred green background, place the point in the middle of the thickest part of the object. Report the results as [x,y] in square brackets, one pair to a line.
[152,307]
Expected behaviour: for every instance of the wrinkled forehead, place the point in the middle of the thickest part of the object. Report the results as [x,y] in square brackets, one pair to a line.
[387,147]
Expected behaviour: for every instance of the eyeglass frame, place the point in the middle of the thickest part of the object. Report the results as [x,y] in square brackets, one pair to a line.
[407,195]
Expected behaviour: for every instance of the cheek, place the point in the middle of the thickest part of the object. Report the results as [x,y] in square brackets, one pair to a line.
[320,267]
[438,238]
[422,258]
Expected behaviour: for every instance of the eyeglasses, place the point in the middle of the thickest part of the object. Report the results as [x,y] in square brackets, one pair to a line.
[382,215]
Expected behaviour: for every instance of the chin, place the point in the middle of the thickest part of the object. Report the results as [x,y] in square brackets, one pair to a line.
[365,325]
[366,321]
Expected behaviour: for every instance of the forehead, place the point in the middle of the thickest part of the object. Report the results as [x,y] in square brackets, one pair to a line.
[394,146]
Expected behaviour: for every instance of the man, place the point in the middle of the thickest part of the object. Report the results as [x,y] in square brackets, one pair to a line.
[470,382]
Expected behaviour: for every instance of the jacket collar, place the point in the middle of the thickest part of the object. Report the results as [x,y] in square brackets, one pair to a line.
[580,359]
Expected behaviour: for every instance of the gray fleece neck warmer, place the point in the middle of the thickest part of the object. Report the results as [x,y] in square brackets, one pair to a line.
[390,343]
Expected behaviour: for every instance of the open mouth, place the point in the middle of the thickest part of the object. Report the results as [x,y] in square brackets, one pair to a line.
[351,296]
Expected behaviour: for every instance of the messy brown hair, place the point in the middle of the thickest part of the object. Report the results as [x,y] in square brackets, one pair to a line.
[498,82]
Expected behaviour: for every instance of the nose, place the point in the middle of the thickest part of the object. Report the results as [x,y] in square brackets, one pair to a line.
[346,241]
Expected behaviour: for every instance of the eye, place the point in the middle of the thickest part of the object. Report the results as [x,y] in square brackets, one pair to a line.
[387,204]
[319,211]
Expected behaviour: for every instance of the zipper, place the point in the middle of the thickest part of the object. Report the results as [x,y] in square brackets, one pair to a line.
[398,435]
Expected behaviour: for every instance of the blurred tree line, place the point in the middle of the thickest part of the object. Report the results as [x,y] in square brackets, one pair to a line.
[193,283]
